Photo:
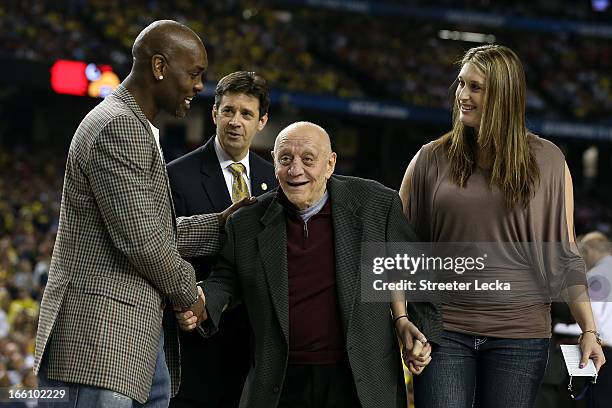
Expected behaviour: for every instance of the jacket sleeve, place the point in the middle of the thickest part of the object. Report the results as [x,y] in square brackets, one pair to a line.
[398,227]
[198,235]
[222,286]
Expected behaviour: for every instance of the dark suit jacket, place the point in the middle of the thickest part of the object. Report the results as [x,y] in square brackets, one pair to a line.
[213,370]
[252,267]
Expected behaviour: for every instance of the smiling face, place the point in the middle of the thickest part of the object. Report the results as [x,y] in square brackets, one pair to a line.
[237,119]
[303,162]
[183,79]
[469,95]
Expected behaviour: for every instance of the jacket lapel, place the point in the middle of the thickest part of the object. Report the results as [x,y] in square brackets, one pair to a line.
[348,232]
[272,242]
[212,178]
[122,93]
[258,178]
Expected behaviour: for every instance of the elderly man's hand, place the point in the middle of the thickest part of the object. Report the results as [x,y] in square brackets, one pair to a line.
[223,216]
[418,358]
[189,318]
[416,350]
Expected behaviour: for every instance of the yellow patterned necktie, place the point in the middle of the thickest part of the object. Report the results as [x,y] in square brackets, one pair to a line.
[239,187]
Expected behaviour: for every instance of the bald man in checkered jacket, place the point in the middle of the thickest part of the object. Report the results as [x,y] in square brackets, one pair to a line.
[106,329]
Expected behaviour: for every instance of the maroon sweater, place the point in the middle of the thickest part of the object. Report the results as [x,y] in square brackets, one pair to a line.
[315,328]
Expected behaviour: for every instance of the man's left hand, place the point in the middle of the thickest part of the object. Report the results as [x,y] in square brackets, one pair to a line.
[224,215]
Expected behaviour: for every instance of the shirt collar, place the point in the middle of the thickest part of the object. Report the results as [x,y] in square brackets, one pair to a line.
[225,160]
[323,206]
[155,133]
[314,209]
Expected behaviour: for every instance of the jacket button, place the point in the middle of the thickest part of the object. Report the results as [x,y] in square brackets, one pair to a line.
[350,348]
[276,389]
[359,380]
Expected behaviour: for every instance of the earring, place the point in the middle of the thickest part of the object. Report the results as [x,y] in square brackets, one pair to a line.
[160,77]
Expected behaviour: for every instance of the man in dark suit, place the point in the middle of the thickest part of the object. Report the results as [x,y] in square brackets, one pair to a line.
[293,259]
[203,181]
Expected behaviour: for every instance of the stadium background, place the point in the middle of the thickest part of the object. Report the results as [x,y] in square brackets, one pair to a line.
[376,75]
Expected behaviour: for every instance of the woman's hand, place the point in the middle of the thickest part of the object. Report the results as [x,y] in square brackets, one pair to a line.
[591,349]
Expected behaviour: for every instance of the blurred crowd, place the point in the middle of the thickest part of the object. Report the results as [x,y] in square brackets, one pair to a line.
[318,50]
[576,10]
[401,58]
[30,194]
[239,35]
[593,211]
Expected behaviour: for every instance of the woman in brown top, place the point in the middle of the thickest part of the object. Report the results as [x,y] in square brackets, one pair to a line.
[490,180]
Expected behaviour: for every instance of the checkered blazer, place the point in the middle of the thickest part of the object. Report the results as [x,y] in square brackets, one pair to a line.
[117,257]
[252,268]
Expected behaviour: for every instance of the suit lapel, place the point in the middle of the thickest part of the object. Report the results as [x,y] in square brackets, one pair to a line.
[213,182]
[258,178]
[272,242]
[122,93]
[348,231]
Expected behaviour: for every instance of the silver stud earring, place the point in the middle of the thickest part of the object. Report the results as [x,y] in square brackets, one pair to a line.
[161,77]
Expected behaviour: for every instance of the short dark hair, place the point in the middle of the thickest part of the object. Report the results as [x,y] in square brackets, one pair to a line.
[245,82]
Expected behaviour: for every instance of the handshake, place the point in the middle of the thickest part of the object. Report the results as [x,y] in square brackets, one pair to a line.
[189,318]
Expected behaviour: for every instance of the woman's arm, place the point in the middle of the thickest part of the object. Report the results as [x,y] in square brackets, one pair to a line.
[581,307]
[416,350]
[404,191]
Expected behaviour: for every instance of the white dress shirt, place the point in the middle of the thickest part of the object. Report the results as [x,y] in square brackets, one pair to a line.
[156,136]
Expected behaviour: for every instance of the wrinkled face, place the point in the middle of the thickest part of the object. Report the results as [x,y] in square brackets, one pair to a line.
[470,95]
[303,163]
[183,79]
[237,119]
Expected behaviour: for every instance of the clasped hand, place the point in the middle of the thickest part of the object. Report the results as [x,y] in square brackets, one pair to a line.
[416,350]
[189,318]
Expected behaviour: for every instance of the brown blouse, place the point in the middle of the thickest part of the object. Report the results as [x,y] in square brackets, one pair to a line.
[440,211]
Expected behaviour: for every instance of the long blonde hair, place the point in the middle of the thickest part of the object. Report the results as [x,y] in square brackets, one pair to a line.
[502,127]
